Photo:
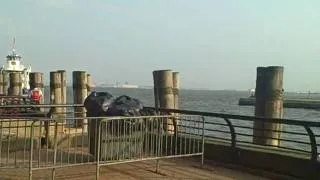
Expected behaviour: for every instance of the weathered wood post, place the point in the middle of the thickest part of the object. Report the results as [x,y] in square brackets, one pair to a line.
[55,90]
[55,98]
[79,95]
[63,75]
[36,81]
[259,106]
[89,84]
[176,88]
[15,84]
[269,104]
[1,83]
[164,98]
[6,81]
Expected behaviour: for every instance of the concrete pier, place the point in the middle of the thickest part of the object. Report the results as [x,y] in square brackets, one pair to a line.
[287,103]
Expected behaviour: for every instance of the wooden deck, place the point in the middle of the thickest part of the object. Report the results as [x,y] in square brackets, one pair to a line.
[169,169]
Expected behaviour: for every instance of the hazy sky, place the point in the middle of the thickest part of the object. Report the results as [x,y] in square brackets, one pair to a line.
[214,44]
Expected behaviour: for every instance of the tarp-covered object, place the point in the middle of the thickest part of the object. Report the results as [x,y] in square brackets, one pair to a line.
[125,106]
[125,132]
[97,103]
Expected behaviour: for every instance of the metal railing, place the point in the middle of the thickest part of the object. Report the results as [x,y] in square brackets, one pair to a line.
[72,145]
[53,142]
[296,137]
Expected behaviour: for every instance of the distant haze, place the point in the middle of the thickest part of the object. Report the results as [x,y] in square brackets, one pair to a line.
[214,44]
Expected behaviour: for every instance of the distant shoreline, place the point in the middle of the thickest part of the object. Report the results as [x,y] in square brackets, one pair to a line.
[194,89]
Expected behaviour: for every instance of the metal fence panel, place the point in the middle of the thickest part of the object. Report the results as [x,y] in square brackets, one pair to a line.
[49,143]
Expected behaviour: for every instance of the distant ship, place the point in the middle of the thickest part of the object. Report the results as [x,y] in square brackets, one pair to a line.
[253,92]
[14,64]
[125,85]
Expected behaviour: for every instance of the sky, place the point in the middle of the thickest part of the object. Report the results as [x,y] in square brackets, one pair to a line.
[214,44]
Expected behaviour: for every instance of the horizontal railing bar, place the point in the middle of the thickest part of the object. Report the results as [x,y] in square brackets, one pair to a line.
[214,137]
[241,117]
[186,133]
[187,120]
[273,146]
[217,130]
[268,130]
[102,118]
[215,123]
[280,139]
[40,105]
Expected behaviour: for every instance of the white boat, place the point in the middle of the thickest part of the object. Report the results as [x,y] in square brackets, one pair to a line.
[125,85]
[14,64]
[252,91]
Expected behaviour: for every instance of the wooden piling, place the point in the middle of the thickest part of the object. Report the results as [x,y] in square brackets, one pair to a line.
[63,75]
[164,97]
[15,84]
[1,83]
[80,92]
[89,84]
[176,88]
[36,81]
[269,104]
[6,81]
[155,89]
[55,92]
[259,106]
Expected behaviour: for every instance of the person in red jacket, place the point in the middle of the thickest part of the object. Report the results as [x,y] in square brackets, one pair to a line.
[36,95]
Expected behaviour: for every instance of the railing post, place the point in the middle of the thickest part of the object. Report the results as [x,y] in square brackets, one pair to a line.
[232,132]
[31,150]
[269,104]
[233,138]
[202,141]
[313,143]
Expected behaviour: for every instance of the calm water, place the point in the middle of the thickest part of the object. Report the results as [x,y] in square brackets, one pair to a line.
[216,101]
[223,102]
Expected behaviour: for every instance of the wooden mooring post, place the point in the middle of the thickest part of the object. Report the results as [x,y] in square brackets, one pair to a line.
[55,92]
[89,84]
[176,89]
[15,84]
[63,75]
[6,81]
[163,94]
[269,104]
[36,81]
[79,85]
[1,83]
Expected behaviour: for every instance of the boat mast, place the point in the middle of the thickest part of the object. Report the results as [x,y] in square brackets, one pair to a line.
[13,45]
